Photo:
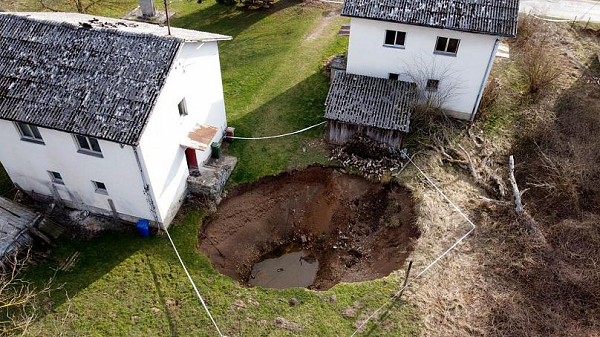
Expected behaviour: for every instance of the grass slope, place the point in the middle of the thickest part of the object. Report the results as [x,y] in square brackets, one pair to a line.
[272,79]
[124,285]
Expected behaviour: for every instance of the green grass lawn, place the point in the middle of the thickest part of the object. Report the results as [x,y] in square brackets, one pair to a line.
[272,79]
[124,285]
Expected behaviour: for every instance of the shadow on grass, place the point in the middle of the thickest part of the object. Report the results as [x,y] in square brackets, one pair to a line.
[97,257]
[296,108]
[228,19]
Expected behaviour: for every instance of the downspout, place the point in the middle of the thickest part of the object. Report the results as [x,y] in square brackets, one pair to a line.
[147,191]
[485,78]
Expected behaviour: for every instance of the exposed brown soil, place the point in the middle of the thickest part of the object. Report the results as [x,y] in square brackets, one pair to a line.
[357,229]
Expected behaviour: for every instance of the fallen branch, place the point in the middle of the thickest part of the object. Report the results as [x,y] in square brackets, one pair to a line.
[496,202]
[521,213]
[514,186]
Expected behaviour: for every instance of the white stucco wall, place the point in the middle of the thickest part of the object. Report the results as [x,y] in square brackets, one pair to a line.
[196,75]
[28,164]
[465,72]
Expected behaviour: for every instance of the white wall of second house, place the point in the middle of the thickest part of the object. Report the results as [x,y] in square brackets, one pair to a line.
[195,76]
[28,164]
[367,55]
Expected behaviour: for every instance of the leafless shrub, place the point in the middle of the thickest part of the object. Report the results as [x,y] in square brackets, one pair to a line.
[562,158]
[432,96]
[489,97]
[539,65]
[529,28]
[19,300]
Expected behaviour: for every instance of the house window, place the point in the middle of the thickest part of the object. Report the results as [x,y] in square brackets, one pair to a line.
[88,145]
[56,178]
[393,76]
[432,85]
[29,132]
[446,45]
[182,106]
[394,38]
[100,187]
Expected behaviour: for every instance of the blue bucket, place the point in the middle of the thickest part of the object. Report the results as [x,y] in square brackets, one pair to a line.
[143,227]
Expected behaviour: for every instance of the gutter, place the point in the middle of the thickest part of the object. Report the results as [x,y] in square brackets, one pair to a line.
[147,190]
[485,78]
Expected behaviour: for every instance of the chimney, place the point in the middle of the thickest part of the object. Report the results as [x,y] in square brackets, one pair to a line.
[147,7]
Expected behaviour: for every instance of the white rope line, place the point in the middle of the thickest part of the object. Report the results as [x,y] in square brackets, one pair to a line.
[192,282]
[278,136]
[434,261]
[551,20]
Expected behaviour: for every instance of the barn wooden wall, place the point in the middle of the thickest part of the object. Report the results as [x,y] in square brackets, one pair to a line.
[338,133]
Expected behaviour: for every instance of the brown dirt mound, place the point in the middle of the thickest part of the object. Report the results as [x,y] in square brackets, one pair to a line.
[357,229]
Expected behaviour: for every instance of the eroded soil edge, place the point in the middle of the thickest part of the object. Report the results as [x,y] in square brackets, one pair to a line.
[357,229]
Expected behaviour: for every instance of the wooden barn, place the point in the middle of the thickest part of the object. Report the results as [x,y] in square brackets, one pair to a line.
[376,107]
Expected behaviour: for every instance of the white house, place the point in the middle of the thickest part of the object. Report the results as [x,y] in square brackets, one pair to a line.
[107,115]
[445,47]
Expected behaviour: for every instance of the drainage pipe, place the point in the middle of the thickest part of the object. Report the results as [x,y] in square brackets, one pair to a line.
[485,78]
[147,190]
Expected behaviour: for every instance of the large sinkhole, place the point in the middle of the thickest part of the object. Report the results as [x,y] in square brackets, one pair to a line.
[312,228]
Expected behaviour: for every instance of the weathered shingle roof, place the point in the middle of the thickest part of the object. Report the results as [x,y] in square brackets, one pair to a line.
[495,17]
[370,101]
[125,25]
[96,82]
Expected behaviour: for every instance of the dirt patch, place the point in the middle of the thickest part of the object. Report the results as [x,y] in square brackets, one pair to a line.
[358,230]
[320,29]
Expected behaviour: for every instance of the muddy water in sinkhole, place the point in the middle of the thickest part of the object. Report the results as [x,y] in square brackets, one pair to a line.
[285,268]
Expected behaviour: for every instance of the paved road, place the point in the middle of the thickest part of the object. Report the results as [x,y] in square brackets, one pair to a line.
[563,9]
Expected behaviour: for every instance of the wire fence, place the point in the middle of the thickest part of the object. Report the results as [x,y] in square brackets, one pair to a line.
[434,262]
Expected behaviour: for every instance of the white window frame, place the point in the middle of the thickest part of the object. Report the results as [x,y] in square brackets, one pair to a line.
[33,130]
[90,150]
[394,45]
[98,189]
[54,179]
[182,107]
[445,51]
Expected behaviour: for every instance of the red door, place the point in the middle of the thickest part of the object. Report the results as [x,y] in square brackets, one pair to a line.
[190,155]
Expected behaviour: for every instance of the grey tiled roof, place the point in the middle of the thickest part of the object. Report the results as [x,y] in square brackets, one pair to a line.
[495,17]
[96,82]
[370,101]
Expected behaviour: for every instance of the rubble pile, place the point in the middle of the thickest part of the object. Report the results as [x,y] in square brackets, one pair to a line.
[371,158]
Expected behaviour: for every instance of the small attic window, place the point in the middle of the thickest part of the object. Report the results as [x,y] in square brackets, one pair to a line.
[393,76]
[182,106]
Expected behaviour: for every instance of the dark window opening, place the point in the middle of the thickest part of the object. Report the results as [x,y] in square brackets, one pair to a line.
[182,108]
[394,38]
[88,145]
[100,187]
[447,45]
[390,36]
[29,132]
[432,85]
[452,46]
[56,177]
[393,76]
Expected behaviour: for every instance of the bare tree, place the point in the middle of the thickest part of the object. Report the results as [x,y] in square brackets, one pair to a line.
[436,86]
[19,299]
